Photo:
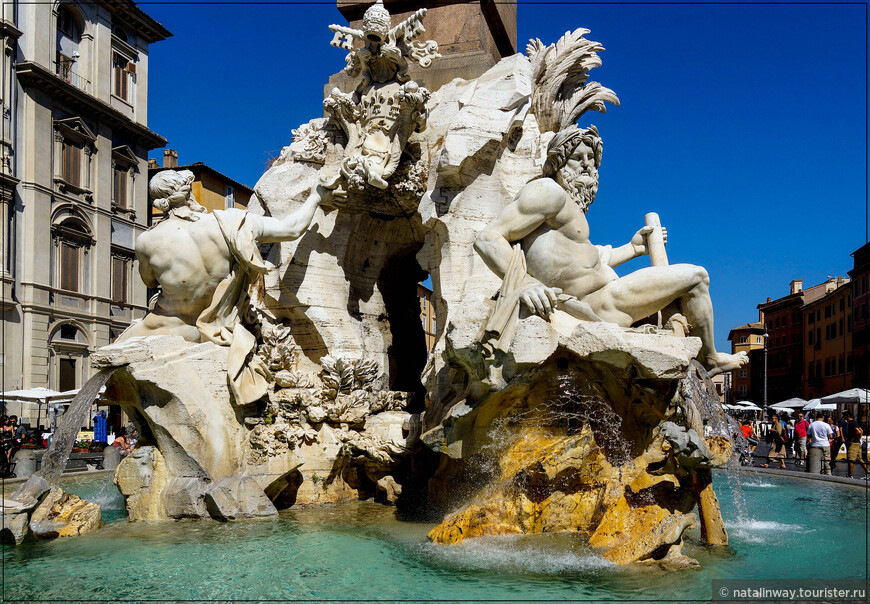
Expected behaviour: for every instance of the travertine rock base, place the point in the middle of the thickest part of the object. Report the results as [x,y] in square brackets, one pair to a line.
[64,515]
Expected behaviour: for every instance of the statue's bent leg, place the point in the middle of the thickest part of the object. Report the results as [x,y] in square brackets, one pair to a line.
[644,292]
[648,290]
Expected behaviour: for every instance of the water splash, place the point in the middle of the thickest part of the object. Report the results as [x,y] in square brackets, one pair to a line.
[55,458]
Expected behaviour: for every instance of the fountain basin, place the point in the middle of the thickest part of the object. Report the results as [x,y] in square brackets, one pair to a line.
[360,550]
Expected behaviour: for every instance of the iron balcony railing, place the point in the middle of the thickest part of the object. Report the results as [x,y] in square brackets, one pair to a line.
[64,67]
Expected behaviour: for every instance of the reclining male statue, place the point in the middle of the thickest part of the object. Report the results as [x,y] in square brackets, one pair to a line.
[561,267]
[205,265]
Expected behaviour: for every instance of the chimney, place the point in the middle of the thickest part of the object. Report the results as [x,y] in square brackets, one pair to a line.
[170,158]
[797,286]
[152,163]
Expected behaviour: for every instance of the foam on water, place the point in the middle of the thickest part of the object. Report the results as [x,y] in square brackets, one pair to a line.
[519,554]
[758,485]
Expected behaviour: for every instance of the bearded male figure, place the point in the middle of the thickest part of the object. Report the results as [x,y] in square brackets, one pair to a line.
[207,266]
[562,267]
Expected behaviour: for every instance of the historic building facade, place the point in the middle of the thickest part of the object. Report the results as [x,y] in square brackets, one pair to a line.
[745,383]
[76,97]
[828,340]
[860,275]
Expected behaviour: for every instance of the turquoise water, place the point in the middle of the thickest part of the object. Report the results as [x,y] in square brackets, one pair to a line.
[779,528]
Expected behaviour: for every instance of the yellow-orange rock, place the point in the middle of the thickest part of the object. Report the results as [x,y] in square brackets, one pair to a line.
[621,520]
[64,515]
[548,483]
[474,521]
[653,542]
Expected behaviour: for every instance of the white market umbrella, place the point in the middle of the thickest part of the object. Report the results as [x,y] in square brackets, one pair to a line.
[792,403]
[818,405]
[35,396]
[853,395]
[746,405]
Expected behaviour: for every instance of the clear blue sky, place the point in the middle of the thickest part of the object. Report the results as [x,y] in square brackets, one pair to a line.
[743,126]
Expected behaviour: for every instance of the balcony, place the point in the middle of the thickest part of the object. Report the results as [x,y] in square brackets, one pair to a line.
[63,67]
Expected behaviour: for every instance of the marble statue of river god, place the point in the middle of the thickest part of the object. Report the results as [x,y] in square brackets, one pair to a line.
[552,400]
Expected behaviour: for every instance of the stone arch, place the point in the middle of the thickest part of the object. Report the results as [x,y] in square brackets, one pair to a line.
[69,218]
[60,332]
[69,344]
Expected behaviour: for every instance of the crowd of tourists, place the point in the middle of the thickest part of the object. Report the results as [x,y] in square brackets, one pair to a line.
[812,441]
[15,436]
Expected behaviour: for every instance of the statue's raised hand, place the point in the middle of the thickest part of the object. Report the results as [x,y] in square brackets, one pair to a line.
[540,299]
[639,241]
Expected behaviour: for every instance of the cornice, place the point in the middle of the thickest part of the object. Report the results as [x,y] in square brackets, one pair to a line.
[34,74]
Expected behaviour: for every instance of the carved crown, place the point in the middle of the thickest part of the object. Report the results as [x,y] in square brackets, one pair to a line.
[376,22]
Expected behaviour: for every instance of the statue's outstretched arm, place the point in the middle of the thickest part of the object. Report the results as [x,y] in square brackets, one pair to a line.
[636,247]
[294,225]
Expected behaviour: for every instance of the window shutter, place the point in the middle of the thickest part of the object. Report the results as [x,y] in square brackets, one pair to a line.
[69,275]
[119,280]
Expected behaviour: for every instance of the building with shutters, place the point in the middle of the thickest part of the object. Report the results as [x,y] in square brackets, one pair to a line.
[75,146]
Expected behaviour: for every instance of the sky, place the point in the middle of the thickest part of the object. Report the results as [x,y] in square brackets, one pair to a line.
[743,126]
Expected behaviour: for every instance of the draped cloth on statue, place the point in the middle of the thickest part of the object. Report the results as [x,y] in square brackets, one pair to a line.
[222,322]
[498,331]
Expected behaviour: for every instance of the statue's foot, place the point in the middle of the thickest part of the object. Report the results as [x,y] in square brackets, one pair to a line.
[721,362]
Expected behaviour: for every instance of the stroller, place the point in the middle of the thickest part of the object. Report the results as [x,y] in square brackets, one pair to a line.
[746,452]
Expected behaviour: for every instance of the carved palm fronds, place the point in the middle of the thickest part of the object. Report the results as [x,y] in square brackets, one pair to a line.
[560,73]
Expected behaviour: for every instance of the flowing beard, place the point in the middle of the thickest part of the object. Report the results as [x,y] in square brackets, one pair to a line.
[580,187]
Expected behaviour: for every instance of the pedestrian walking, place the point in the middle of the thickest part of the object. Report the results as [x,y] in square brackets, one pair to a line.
[819,456]
[853,435]
[777,437]
[800,430]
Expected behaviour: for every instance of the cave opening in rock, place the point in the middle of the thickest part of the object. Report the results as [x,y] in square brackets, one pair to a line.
[407,353]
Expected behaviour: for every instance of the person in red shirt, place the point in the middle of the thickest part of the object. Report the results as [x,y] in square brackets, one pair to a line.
[800,430]
[749,435]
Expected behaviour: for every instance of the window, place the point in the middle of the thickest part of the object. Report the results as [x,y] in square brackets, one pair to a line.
[120,70]
[66,23]
[72,239]
[68,332]
[124,168]
[810,340]
[743,339]
[119,186]
[71,163]
[811,318]
[840,365]
[842,304]
[69,267]
[742,390]
[758,339]
[74,147]
[119,279]
[66,374]
[828,311]
[230,198]
[742,373]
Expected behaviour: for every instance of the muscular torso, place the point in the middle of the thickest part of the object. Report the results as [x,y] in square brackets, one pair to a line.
[559,253]
[188,260]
